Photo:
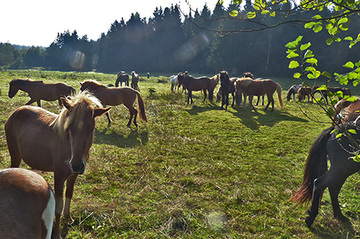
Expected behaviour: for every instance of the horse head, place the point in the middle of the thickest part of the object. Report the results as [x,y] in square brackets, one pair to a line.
[13,88]
[78,123]
[224,78]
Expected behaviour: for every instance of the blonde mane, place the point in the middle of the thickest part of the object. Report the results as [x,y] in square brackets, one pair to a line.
[93,82]
[80,104]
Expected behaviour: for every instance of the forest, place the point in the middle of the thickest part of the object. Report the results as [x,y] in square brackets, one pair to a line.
[171,41]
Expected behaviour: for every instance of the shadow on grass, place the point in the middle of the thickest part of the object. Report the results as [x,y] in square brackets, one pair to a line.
[344,230]
[128,139]
[251,119]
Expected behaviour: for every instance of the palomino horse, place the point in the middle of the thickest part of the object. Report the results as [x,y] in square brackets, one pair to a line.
[38,90]
[258,87]
[122,77]
[55,143]
[303,92]
[116,96]
[27,205]
[338,146]
[292,92]
[134,80]
[196,84]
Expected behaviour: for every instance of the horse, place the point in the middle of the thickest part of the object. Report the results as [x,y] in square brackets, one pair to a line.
[292,92]
[122,77]
[196,84]
[259,87]
[338,146]
[332,90]
[303,92]
[174,83]
[27,205]
[55,143]
[346,111]
[134,81]
[116,96]
[38,90]
[227,87]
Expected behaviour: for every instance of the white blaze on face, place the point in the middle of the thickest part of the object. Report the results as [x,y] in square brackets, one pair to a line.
[48,215]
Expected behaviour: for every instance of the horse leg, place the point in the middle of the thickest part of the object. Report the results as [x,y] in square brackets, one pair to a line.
[109,119]
[70,182]
[250,102]
[189,97]
[31,101]
[270,100]
[233,95]
[334,190]
[263,99]
[133,113]
[257,103]
[204,96]
[319,186]
[59,203]
[38,103]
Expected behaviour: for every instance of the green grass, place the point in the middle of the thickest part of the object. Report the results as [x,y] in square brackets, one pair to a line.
[194,171]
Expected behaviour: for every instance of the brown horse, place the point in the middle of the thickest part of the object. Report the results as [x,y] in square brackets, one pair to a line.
[38,90]
[303,92]
[122,77]
[196,84]
[258,87]
[27,205]
[116,96]
[134,80]
[347,111]
[55,143]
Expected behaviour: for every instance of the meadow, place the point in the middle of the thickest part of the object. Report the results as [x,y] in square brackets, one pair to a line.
[194,171]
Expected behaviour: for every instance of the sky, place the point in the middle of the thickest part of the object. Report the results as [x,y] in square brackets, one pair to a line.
[37,22]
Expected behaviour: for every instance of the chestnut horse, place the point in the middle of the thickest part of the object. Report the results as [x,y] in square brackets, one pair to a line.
[292,92]
[258,87]
[196,84]
[303,92]
[134,80]
[116,96]
[335,145]
[27,205]
[122,77]
[55,143]
[38,90]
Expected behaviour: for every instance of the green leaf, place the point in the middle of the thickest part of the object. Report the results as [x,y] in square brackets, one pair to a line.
[317,28]
[349,64]
[309,25]
[234,13]
[326,74]
[251,15]
[297,75]
[352,131]
[292,55]
[343,20]
[329,41]
[308,54]
[312,61]
[293,64]
[339,135]
[220,2]
[303,47]
[348,38]
[344,27]
[317,17]
[352,98]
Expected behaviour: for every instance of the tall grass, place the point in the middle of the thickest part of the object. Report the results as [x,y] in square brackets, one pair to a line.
[194,171]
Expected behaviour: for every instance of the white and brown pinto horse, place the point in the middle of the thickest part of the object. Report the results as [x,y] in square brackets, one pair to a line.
[27,205]
[55,143]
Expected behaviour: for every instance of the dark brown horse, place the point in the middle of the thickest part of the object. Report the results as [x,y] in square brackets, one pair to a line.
[227,87]
[38,90]
[27,205]
[55,143]
[196,84]
[251,88]
[116,96]
[134,80]
[303,92]
[122,77]
[341,149]
[329,91]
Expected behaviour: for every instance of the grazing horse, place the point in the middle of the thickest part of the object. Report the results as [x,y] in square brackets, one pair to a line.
[55,143]
[38,90]
[337,146]
[174,83]
[122,77]
[258,87]
[27,205]
[292,92]
[196,84]
[303,92]
[134,80]
[116,96]
[332,90]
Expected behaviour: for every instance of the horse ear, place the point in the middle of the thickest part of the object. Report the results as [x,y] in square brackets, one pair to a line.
[65,103]
[100,111]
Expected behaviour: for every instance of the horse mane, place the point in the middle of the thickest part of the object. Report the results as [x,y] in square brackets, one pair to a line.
[93,83]
[80,103]
[25,81]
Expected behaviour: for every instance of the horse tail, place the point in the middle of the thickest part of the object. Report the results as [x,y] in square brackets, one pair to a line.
[316,165]
[141,107]
[281,102]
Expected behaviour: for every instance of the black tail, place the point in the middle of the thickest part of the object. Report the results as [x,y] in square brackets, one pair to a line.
[316,165]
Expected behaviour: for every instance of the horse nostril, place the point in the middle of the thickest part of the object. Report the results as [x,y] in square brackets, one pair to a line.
[78,168]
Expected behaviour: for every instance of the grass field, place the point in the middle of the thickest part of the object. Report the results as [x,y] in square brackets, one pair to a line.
[194,171]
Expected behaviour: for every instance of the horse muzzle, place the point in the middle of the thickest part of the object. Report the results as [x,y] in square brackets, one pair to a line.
[78,168]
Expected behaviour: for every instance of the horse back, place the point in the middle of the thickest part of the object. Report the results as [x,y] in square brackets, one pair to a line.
[196,84]
[113,96]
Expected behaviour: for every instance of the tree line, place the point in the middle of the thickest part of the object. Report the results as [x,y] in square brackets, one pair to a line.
[201,41]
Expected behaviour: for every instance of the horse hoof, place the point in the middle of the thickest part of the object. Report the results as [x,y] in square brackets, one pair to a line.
[309,222]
